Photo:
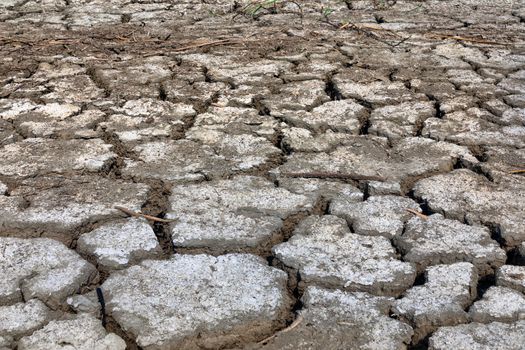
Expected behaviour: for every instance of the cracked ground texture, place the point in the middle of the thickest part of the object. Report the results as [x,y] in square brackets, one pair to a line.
[330,174]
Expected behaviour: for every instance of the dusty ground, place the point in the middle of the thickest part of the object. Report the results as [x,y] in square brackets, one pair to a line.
[330,174]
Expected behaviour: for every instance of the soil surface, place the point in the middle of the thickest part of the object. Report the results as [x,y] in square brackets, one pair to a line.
[262,174]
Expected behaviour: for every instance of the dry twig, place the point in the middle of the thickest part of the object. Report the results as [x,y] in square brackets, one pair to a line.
[328,175]
[518,171]
[418,214]
[140,215]
[369,30]
[463,38]
[209,43]
[294,324]
[368,26]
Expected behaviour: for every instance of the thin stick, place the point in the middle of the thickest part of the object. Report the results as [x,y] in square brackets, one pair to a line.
[418,214]
[368,29]
[102,303]
[365,26]
[519,171]
[209,43]
[328,175]
[462,38]
[294,324]
[140,215]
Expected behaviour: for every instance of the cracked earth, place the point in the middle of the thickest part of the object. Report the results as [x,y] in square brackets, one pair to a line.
[330,174]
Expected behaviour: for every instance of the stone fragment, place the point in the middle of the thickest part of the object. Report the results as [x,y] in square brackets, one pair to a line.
[22,89]
[441,301]
[457,103]
[3,188]
[235,120]
[379,188]
[181,160]
[322,189]
[502,159]
[484,92]
[520,75]
[72,89]
[333,319]
[511,276]
[303,140]
[483,114]
[133,130]
[465,129]
[40,268]
[294,58]
[344,116]
[437,240]
[7,134]
[147,119]
[440,90]
[244,96]
[59,69]
[370,156]
[58,111]
[509,117]
[120,243]
[360,75]
[466,196]
[40,156]
[187,72]
[199,93]
[245,151]
[325,252]
[376,93]
[377,216]
[495,106]
[53,206]
[517,101]
[208,153]
[245,212]
[81,125]
[456,50]
[197,301]
[402,120]
[6,342]
[499,304]
[10,109]
[79,20]
[85,303]
[148,107]
[23,318]
[254,72]
[478,336]
[315,68]
[83,332]
[498,59]
[136,79]
[301,95]
[414,58]
[514,86]
[465,77]
[43,156]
